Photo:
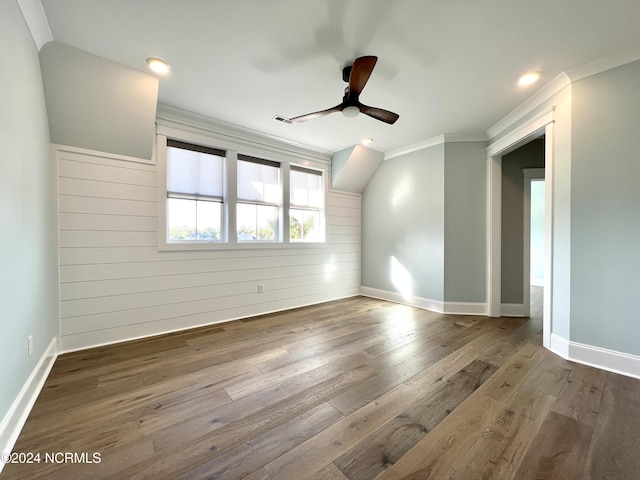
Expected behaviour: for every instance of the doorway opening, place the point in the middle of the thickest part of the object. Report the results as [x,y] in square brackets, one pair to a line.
[519,168]
[541,125]
[533,241]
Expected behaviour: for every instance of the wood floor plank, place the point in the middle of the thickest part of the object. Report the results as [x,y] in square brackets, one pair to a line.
[258,475]
[501,448]
[452,363]
[558,451]
[310,456]
[352,389]
[388,444]
[265,407]
[581,394]
[511,375]
[551,375]
[393,369]
[439,452]
[615,447]
[253,385]
[253,454]
[330,472]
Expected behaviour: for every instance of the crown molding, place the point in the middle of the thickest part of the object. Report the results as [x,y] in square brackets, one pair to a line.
[437,140]
[465,137]
[414,147]
[604,64]
[177,118]
[36,19]
[533,102]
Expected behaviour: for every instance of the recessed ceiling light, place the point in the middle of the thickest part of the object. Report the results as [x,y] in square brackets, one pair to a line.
[366,140]
[529,78]
[158,66]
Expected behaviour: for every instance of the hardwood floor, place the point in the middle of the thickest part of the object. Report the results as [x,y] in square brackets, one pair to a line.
[352,389]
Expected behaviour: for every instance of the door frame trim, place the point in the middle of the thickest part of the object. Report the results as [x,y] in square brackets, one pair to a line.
[542,124]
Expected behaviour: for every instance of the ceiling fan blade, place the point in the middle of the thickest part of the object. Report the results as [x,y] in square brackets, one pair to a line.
[360,73]
[321,113]
[379,114]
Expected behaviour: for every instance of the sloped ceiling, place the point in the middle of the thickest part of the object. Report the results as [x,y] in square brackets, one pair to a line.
[445,67]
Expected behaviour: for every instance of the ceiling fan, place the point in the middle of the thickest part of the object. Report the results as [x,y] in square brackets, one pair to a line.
[357,76]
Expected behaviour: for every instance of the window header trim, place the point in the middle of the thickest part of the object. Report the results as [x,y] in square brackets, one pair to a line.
[296,168]
[195,148]
[260,161]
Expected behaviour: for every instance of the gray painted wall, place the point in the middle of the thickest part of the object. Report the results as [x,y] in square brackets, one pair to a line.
[605,214]
[530,155]
[353,167]
[403,219]
[28,241]
[427,211]
[465,197]
[98,104]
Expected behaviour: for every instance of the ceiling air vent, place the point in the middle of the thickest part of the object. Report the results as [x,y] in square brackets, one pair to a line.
[282,119]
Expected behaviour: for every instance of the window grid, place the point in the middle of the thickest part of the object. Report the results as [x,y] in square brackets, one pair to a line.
[194,193]
[236,197]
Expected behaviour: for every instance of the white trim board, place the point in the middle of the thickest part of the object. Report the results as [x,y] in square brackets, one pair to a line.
[543,123]
[602,358]
[438,306]
[514,310]
[175,118]
[37,22]
[437,140]
[19,411]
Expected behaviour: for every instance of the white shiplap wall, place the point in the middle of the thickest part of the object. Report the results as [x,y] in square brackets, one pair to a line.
[115,285]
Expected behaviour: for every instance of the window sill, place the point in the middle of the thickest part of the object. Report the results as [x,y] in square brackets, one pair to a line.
[173,247]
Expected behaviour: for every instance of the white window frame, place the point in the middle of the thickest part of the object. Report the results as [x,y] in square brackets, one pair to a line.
[233,149]
[278,233]
[320,210]
[187,196]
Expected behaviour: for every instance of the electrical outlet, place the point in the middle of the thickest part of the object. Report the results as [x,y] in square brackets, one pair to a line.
[261,288]
[30,344]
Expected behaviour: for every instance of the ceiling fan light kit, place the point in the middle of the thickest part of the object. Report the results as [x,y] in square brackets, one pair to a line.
[357,76]
[351,111]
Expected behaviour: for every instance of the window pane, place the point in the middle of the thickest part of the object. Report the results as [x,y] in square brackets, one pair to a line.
[306,189]
[193,220]
[181,219]
[257,182]
[208,218]
[194,172]
[304,225]
[257,222]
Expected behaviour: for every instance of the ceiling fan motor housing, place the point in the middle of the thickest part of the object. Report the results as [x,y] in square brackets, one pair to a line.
[346,73]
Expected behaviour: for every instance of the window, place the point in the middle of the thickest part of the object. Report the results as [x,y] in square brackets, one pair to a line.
[258,203]
[222,199]
[306,199]
[195,178]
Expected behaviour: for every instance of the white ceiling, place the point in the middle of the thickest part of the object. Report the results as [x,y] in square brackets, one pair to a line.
[446,67]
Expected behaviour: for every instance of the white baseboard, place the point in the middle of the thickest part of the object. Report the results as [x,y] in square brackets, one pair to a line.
[610,360]
[438,306]
[16,417]
[412,300]
[465,308]
[127,333]
[512,310]
[602,358]
[559,345]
